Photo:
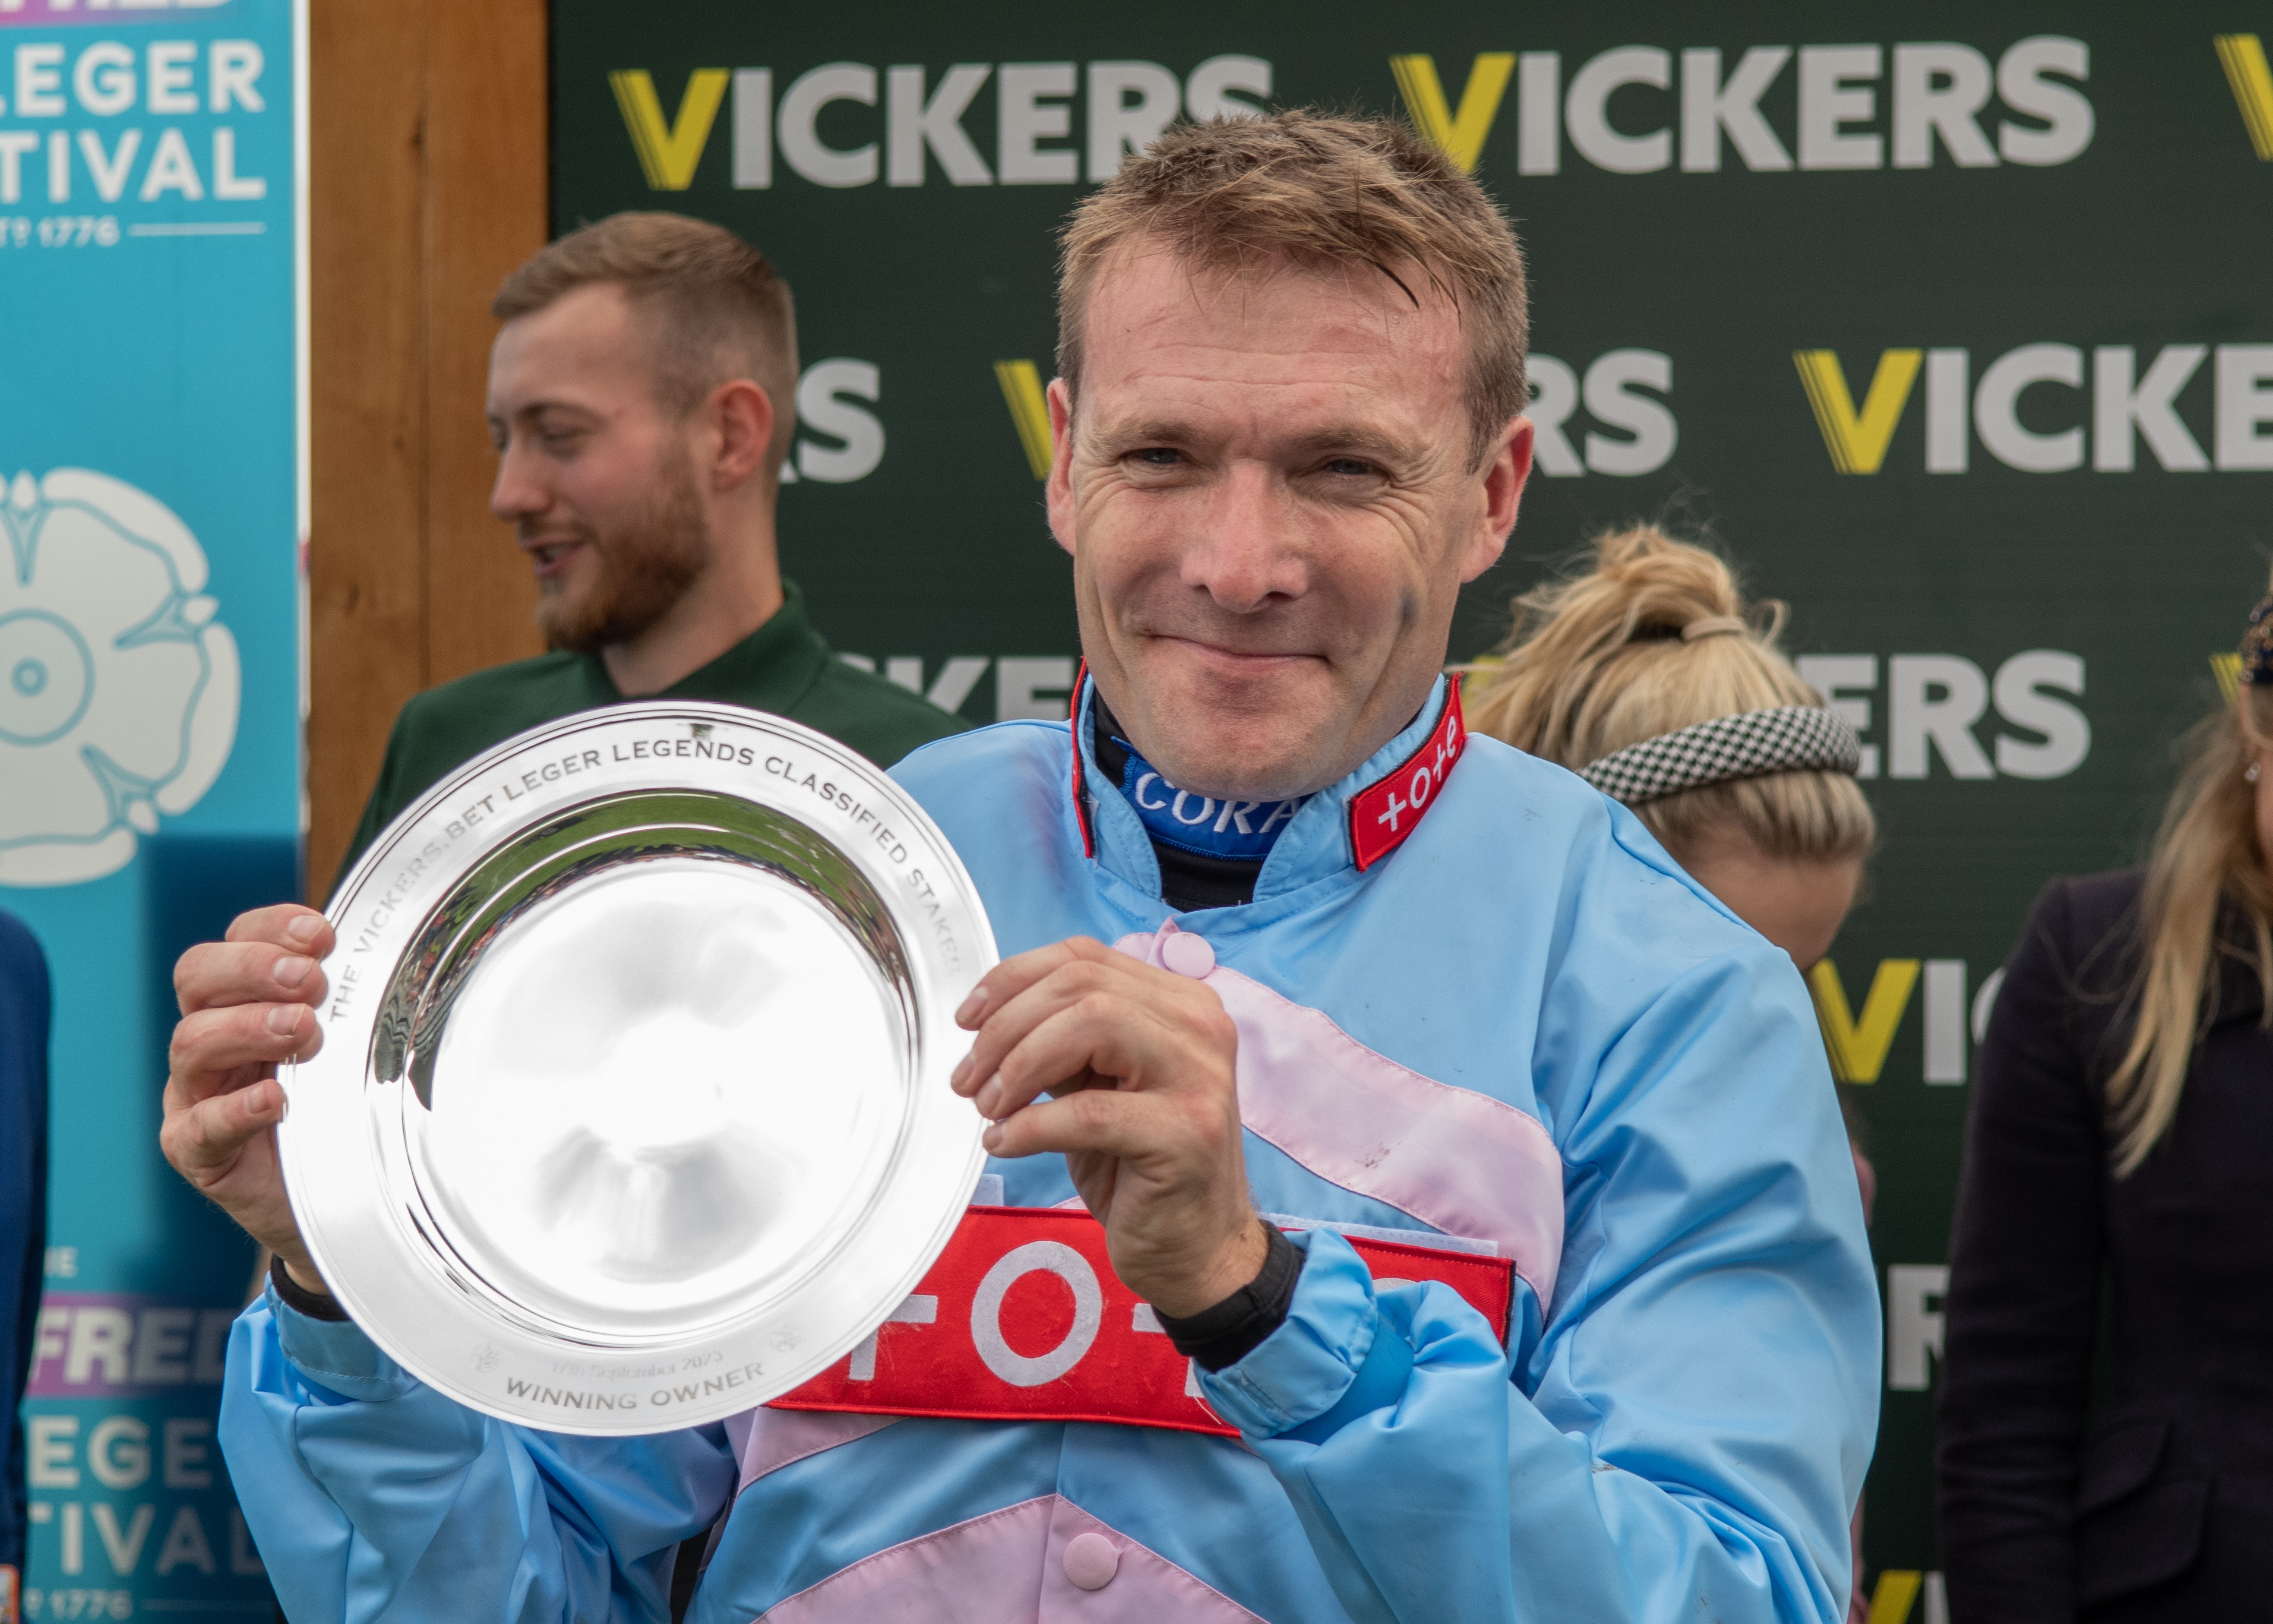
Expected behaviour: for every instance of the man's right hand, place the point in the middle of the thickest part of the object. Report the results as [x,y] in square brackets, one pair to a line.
[247,1002]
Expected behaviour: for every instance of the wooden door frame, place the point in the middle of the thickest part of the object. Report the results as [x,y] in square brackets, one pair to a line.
[429,179]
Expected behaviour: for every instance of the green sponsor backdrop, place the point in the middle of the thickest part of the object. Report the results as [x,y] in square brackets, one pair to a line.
[1950,323]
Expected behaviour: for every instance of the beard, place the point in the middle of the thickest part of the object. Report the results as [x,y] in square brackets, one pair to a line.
[647,559]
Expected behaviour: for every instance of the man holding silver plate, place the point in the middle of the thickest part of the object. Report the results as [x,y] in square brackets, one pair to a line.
[1394,1190]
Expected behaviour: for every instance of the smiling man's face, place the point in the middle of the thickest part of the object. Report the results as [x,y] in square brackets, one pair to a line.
[595,476]
[1266,490]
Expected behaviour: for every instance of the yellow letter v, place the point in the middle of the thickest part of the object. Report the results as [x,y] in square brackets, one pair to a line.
[1858,442]
[1858,1048]
[1459,138]
[669,153]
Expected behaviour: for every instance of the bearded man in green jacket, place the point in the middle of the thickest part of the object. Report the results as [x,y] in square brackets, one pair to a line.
[640,399]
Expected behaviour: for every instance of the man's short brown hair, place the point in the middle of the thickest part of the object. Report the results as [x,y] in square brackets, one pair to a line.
[1318,190]
[714,308]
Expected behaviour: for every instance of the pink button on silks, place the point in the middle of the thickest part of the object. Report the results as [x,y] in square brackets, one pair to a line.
[1188,954]
[1092,1560]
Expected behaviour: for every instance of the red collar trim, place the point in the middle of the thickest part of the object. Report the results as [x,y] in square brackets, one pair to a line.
[1080,801]
[1385,813]
[1382,815]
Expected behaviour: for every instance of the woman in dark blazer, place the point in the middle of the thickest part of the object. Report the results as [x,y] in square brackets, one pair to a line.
[2119,1184]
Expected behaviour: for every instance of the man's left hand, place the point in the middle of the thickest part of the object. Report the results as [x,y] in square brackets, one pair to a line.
[1144,1105]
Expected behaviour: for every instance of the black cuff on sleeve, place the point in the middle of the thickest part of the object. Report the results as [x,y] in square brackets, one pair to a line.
[316,1305]
[1228,1332]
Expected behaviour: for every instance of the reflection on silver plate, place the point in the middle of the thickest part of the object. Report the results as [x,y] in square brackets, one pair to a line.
[631,1110]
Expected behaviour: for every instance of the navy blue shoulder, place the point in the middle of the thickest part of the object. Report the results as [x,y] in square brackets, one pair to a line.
[22,964]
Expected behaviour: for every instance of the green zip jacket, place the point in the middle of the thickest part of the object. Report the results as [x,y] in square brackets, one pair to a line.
[784,668]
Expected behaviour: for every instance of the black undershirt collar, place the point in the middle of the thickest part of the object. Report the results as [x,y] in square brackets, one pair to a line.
[1189,880]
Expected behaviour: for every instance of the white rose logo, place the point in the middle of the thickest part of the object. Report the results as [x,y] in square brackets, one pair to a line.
[118,688]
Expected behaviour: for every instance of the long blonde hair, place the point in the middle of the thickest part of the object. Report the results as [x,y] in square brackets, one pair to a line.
[1597,660]
[2206,883]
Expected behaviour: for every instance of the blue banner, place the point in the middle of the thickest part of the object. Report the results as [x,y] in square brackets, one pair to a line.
[152,480]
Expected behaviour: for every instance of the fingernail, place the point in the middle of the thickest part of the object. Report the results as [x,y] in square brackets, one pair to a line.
[304,929]
[960,1075]
[993,1138]
[284,1019]
[968,1015]
[985,1098]
[292,972]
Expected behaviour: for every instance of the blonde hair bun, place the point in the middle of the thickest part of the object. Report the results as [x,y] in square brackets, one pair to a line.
[1648,635]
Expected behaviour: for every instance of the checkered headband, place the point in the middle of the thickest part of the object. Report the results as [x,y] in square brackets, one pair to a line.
[1749,745]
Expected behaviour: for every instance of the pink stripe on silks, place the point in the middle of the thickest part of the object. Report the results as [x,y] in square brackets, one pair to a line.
[1459,1160]
[1145,1587]
[765,1440]
[986,1571]
[1008,1567]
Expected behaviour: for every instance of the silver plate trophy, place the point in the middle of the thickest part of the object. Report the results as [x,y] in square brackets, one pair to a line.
[631,1110]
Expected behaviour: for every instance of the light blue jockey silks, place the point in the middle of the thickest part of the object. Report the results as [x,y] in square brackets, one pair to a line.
[1524,1029]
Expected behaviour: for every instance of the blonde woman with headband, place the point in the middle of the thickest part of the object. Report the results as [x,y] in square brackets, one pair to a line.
[2118,1185]
[1648,675]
